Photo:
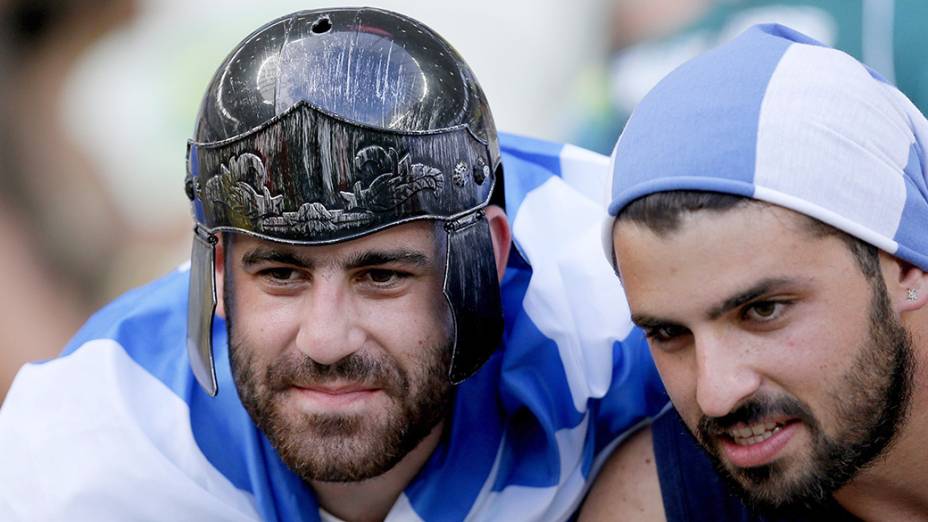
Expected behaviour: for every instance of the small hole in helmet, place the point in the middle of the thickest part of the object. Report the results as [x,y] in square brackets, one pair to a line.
[322,25]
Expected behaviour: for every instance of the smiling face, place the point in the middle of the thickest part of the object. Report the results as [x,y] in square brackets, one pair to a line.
[785,361]
[340,353]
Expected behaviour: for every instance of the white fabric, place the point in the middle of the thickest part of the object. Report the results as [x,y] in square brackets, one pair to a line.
[145,428]
[561,254]
[863,151]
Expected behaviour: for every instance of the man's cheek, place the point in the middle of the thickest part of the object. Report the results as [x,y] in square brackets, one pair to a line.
[682,392]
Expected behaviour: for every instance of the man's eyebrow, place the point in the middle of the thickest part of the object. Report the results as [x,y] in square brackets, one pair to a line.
[730,303]
[273,255]
[647,321]
[749,294]
[383,257]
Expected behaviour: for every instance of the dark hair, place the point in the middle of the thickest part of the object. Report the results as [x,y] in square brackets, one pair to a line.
[498,197]
[662,213]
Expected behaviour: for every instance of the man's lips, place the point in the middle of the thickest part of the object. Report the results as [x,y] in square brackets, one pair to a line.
[334,396]
[758,443]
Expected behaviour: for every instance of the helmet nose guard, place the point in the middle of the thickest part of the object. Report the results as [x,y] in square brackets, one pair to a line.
[325,126]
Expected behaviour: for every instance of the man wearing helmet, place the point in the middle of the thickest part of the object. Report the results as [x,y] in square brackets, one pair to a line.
[337,346]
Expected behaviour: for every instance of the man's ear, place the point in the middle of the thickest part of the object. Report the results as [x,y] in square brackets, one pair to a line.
[906,283]
[219,267]
[500,235]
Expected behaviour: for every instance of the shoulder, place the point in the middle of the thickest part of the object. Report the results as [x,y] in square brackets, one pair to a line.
[107,426]
[94,436]
[136,342]
[628,487]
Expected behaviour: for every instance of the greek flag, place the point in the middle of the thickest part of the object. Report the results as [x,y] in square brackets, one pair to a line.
[117,428]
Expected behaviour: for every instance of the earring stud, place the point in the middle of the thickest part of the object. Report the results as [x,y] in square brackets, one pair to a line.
[911,294]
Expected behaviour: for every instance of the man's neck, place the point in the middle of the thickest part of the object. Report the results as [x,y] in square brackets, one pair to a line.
[372,499]
[893,487]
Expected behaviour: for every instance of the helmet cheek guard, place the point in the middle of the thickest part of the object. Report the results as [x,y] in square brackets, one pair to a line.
[201,307]
[326,126]
[472,290]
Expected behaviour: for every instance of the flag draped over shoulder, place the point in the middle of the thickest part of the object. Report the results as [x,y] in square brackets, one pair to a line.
[117,427]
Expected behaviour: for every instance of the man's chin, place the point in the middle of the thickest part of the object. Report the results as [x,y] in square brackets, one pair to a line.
[336,449]
[778,487]
[766,487]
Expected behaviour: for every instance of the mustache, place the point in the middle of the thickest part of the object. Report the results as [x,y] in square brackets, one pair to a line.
[300,369]
[752,411]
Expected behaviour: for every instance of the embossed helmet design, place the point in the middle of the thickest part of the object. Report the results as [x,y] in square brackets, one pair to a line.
[327,125]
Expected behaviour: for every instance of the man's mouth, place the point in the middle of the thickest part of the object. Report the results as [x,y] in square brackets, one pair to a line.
[335,396]
[758,443]
[745,434]
[338,389]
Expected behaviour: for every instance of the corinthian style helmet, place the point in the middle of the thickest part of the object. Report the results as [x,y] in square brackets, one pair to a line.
[328,125]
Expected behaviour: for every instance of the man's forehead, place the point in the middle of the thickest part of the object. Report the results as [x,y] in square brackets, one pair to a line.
[714,254]
[749,212]
[409,240]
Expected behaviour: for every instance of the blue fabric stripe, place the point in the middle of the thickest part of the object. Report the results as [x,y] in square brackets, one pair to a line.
[536,397]
[132,303]
[639,392]
[544,153]
[911,234]
[720,95]
[530,163]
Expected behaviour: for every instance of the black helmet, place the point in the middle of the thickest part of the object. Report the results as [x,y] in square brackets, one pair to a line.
[327,125]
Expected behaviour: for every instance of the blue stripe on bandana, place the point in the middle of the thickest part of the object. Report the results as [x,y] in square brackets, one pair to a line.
[707,128]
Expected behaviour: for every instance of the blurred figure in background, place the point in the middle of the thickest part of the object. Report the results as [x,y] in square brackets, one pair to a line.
[58,227]
[651,38]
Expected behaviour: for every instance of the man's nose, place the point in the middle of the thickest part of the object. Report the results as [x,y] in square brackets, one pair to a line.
[328,330]
[725,376]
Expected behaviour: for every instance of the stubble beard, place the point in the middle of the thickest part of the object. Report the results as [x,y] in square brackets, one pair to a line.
[871,403]
[334,447]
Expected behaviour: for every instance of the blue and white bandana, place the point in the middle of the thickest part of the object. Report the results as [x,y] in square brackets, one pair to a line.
[776,116]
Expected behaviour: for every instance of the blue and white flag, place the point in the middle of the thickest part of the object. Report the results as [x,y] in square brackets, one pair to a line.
[117,428]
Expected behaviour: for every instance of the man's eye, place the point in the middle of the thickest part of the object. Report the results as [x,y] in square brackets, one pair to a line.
[663,334]
[281,274]
[383,277]
[763,311]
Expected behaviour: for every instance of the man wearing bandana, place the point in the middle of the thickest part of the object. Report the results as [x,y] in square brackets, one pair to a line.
[768,224]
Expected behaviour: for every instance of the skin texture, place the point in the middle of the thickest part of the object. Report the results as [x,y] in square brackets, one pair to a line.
[340,354]
[628,487]
[748,306]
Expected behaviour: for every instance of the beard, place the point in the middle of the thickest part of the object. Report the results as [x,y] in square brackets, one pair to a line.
[342,447]
[871,403]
